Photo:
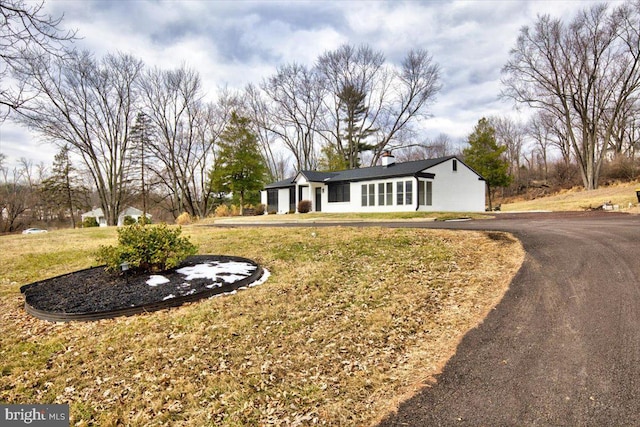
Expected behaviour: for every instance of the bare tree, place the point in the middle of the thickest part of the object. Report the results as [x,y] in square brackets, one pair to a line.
[440,146]
[18,196]
[89,105]
[541,134]
[294,104]
[393,98]
[511,134]
[187,129]
[256,108]
[582,73]
[25,29]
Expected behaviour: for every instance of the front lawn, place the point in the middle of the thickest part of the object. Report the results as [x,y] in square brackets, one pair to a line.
[350,322]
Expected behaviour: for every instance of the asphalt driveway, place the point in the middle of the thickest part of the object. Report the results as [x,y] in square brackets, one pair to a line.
[563,346]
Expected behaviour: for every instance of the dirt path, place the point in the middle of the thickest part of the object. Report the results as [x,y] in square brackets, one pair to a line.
[563,346]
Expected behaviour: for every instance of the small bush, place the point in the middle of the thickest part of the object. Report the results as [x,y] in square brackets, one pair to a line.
[222,210]
[90,222]
[129,220]
[304,206]
[147,248]
[184,219]
[235,210]
[144,220]
[260,209]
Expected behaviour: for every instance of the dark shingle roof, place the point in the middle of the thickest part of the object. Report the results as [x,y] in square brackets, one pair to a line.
[281,184]
[364,174]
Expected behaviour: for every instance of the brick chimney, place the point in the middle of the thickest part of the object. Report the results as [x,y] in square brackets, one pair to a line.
[387,159]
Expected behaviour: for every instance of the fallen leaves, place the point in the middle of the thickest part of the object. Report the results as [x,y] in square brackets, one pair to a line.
[350,321]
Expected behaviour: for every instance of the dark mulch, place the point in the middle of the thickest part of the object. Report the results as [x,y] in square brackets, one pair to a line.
[94,290]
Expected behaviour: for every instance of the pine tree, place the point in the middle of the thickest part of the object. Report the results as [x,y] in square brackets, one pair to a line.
[355,115]
[141,136]
[62,188]
[485,156]
[239,168]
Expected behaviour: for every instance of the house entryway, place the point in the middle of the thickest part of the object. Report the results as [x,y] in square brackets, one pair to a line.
[318,200]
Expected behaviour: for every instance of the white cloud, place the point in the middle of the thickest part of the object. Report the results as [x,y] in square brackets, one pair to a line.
[232,43]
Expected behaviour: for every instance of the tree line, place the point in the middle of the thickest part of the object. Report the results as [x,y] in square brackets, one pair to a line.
[154,134]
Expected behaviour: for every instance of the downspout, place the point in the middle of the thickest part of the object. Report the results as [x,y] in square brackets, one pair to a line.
[417,198]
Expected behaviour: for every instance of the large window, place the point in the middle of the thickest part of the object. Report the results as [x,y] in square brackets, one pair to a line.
[425,193]
[372,194]
[389,193]
[272,200]
[400,193]
[339,192]
[381,194]
[408,192]
[368,194]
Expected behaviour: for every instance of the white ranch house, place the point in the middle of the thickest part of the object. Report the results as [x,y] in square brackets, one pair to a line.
[98,214]
[442,184]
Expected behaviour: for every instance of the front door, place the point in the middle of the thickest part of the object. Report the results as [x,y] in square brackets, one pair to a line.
[318,200]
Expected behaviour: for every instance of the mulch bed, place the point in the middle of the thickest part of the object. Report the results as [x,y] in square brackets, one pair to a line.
[94,293]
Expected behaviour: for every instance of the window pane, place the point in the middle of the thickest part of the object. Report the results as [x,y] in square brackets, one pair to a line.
[364,194]
[429,192]
[372,194]
[380,194]
[409,192]
[400,193]
[421,198]
[389,193]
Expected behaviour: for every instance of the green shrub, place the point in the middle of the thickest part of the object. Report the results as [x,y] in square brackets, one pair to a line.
[143,248]
[90,221]
[129,220]
[144,220]
[304,206]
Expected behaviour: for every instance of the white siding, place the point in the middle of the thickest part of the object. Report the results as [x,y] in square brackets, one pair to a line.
[452,191]
[355,204]
[457,191]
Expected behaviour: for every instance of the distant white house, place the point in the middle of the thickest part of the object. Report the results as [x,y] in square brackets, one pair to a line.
[443,184]
[98,214]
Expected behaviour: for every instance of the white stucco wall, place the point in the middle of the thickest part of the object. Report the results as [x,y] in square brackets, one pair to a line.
[457,191]
[452,191]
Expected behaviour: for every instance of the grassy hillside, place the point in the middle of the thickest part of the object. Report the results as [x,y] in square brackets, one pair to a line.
[350,321]
[578,199]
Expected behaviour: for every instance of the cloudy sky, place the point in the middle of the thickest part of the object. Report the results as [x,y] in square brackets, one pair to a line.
[232,43]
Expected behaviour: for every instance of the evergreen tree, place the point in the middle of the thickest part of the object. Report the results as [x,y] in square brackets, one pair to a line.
[331,160]
[239,168]
[485,156]
[141,136]
[355,114]
[63,188]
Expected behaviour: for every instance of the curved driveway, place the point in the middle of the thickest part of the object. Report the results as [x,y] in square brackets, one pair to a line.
[562,348]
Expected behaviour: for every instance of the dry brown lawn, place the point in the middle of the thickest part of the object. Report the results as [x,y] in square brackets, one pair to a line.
[351,322]
[578,199]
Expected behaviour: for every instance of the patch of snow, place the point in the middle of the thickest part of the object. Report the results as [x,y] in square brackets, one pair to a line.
[234,270]
[156,279]
[168,297]
[261,280]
